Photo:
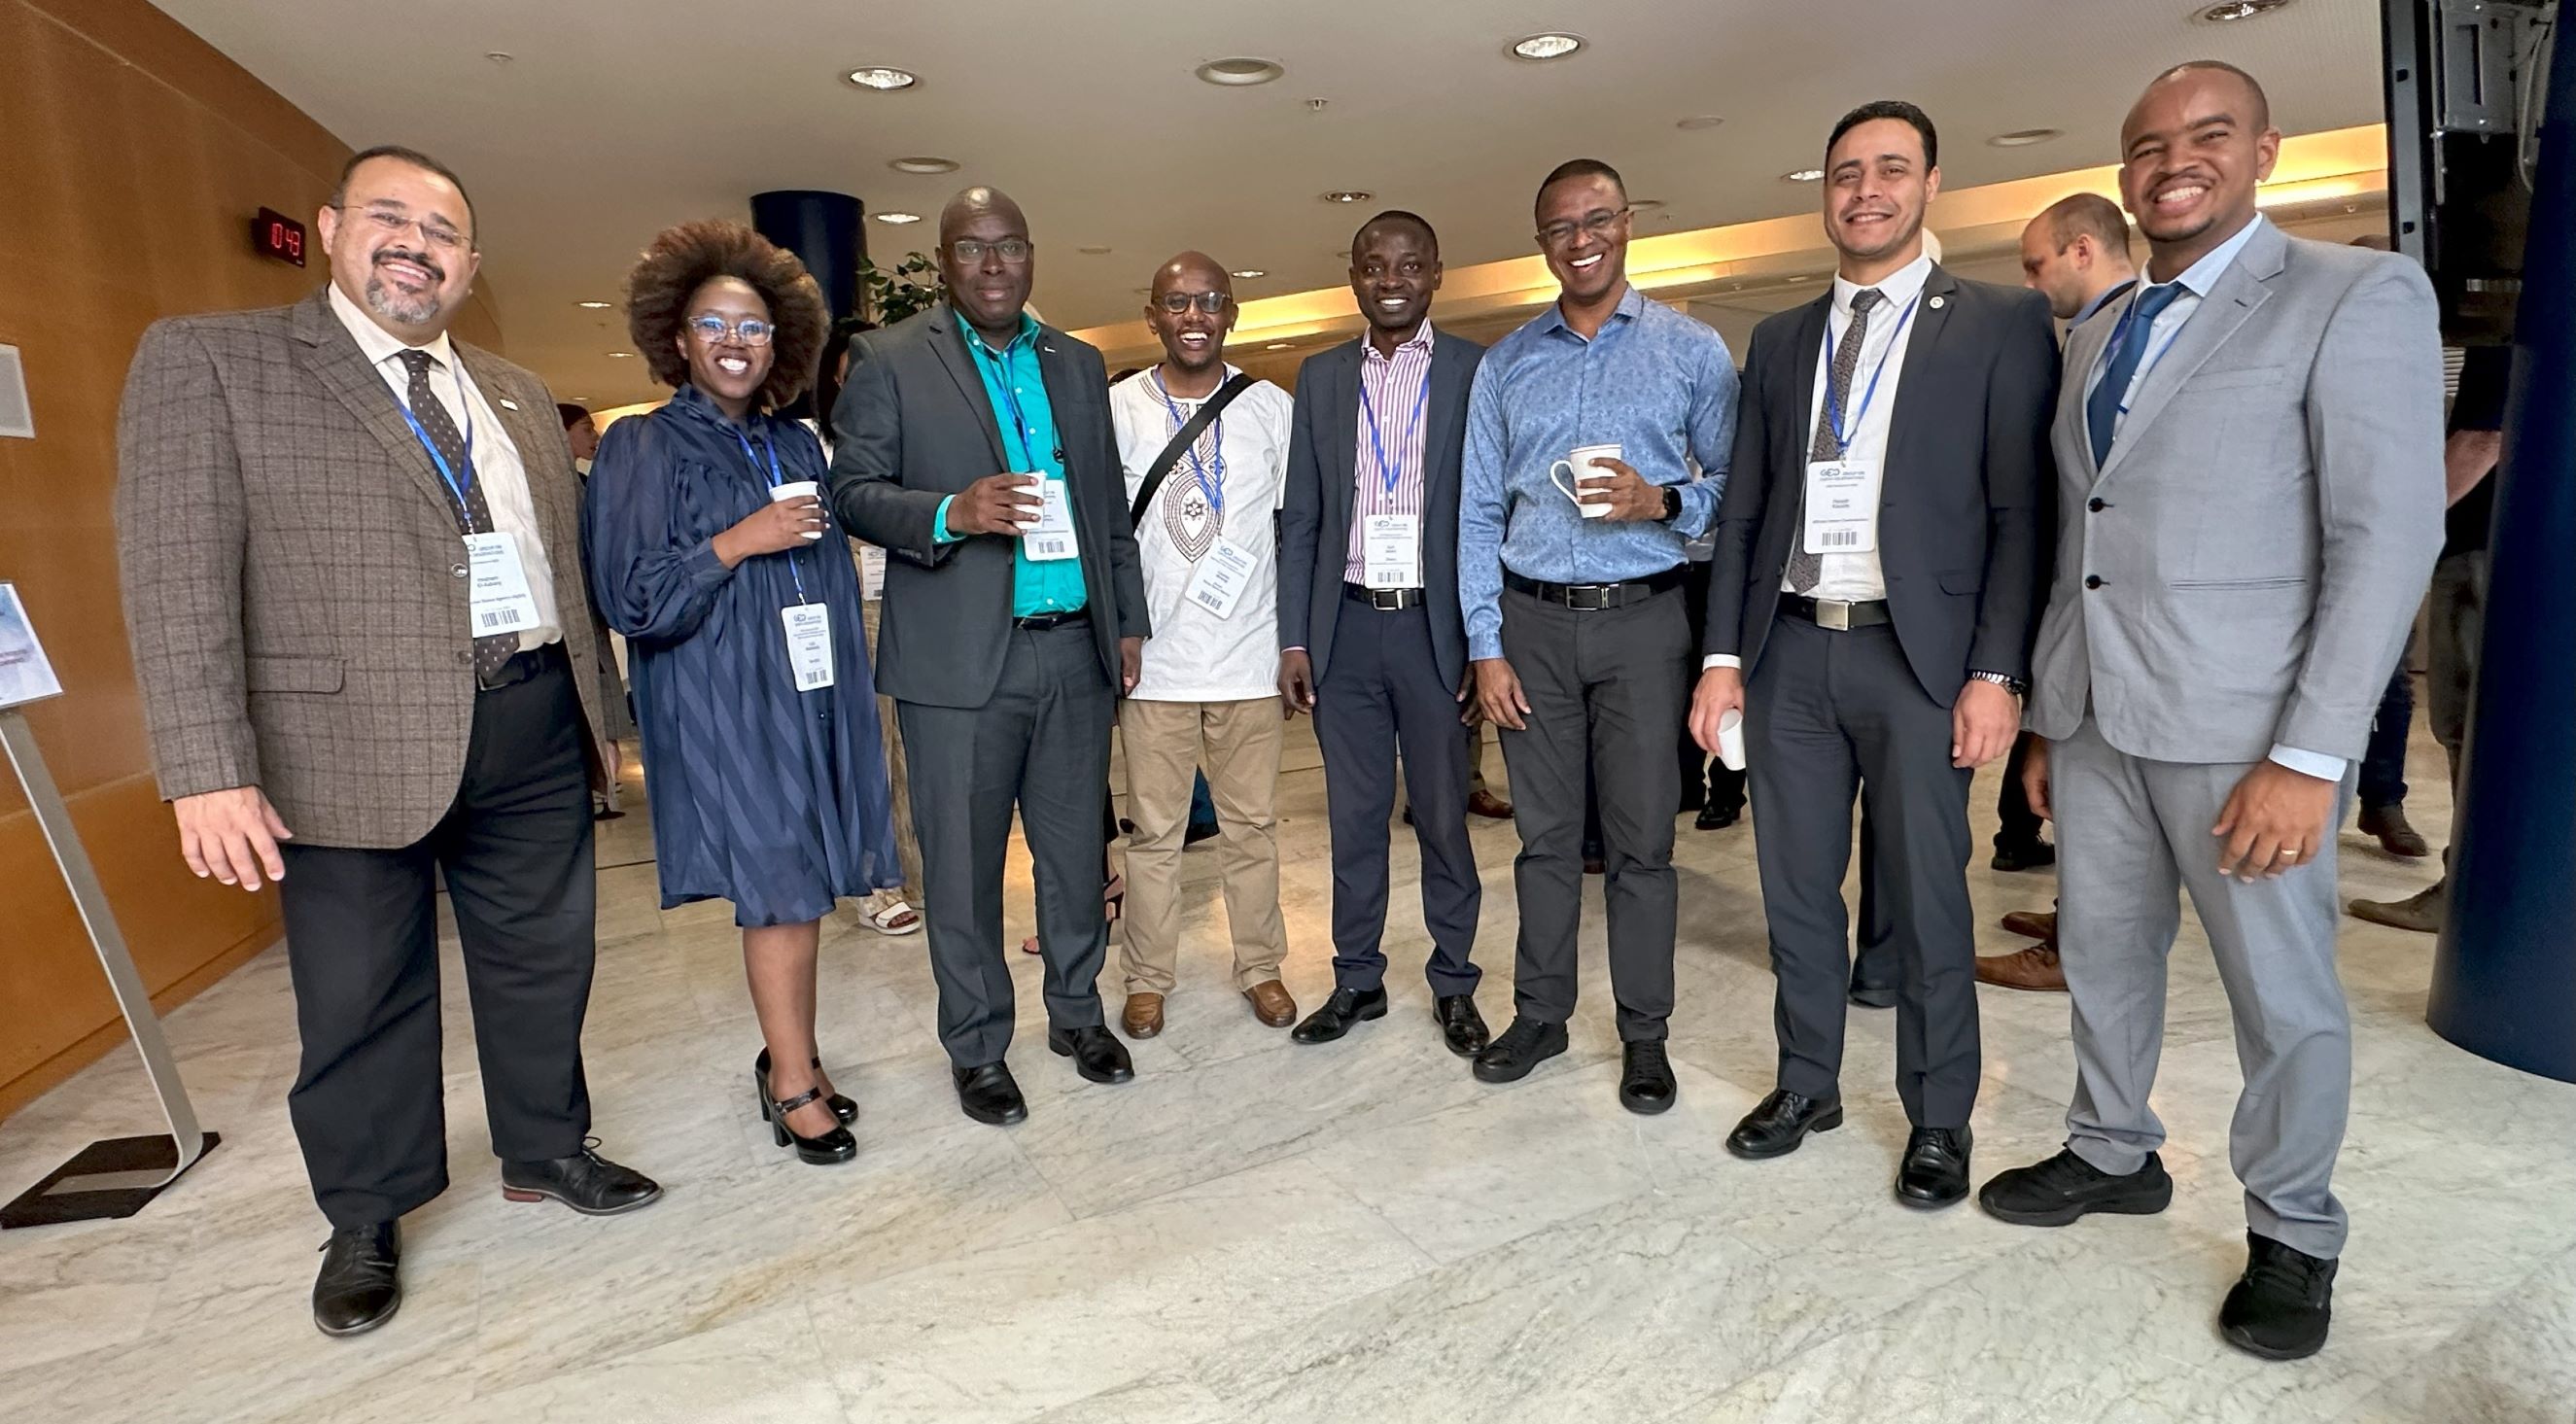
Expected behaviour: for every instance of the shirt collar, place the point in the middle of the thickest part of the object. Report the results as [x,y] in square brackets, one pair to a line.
[1631,302]
[2202,276]
[1028,333]
[382,345]
[2109,294]
[1418,341]
[1900,287]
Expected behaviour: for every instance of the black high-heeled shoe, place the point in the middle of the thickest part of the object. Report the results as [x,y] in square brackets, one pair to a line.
[842,1107]
[836,1145]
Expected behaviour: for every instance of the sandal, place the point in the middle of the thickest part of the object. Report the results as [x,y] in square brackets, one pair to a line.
[888,913]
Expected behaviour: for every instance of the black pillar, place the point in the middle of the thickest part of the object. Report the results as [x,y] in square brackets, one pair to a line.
[825,233]
[2504,977]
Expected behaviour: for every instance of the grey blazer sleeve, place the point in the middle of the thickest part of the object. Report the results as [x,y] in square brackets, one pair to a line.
[1739,511]
[867,469]
[2020,475]
[180,515]
[1300,508]
[2374,425]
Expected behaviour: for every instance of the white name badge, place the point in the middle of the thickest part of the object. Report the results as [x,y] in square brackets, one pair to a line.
[872,562]
[1052,536]
[500,601]
[1221,578]
[809,644]
[1842,506]
[1391,551]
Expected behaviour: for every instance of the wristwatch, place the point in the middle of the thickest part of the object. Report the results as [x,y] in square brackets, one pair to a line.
[2013,685]
[1672,504]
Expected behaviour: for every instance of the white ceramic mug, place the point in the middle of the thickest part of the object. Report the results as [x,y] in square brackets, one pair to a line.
[798,489]
[1730,738]
[1582,462]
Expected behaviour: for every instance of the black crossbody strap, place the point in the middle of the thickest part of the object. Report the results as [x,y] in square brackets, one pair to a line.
[1186,437]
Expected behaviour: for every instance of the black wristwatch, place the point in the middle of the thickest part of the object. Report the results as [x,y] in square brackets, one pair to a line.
[1672,504]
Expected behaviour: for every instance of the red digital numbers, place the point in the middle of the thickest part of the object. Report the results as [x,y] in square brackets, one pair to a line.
[274,234]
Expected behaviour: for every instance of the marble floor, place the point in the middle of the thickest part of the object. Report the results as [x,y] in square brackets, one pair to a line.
[1255,1230]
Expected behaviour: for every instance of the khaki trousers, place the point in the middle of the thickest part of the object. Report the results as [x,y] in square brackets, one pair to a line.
[1167,744]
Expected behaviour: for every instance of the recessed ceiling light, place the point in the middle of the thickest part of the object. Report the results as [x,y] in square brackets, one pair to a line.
[1700,121]
[1804,175]
[898,219]
[594,306]
[1093,251]
[1278,346]
[923,165]
[1545,47]
[878,76]
[1248,273]
[621,354]
[1240,72]
[499,56]
[1645,202]
[1348,195]
[2235,10]
[2024,138]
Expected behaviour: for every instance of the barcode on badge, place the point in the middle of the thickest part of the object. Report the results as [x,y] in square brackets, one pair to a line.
[1837,539]
[493,619]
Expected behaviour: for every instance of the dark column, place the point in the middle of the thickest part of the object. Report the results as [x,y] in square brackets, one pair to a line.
[2504,978]
[824,231]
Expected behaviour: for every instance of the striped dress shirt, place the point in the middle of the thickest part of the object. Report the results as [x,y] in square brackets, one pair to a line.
[1394,411]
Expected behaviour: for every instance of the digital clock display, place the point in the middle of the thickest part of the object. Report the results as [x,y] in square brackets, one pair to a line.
[274,234]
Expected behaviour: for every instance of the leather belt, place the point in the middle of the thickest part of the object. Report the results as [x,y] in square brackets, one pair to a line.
[1595,597]
[1040,622]
[1836,616]
[1384,600]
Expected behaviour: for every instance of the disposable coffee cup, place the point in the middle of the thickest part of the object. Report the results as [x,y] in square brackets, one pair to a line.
[1581,463]
[798,489]
[1730,738]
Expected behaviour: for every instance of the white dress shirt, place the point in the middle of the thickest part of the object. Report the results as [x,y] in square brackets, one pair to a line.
[496,460]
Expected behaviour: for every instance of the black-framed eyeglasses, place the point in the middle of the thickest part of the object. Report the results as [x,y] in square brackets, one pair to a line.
[750,331]
[394,222]
[969,251]
[1213,303]
[1596,224]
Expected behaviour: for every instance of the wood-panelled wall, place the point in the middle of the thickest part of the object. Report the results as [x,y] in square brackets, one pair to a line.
[132,156]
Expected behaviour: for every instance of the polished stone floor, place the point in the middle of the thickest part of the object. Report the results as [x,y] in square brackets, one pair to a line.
[1255,1230]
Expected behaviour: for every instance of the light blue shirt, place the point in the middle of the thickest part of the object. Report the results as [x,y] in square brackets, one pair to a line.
[1016,389]
[1655,383]
[2197,282]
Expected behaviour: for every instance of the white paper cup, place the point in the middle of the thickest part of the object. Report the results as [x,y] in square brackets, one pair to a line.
[1580,463]
[798,489]
[1730,738]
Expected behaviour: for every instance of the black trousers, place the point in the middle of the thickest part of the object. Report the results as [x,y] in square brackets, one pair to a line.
[1383,694]
[1716,783]
[1041,743]
[2019,825]
[362,948]
[1830,716]
[1606,691]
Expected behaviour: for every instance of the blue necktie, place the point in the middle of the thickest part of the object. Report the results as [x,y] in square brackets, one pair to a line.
[2102,408]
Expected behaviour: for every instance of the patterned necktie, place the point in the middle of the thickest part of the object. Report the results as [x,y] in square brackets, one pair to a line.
[1806,569]
[473,516]
[2102,407]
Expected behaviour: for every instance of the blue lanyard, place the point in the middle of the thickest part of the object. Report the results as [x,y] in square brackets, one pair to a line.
[1002,382]
[777,477]
[1215,489]
[444,473]
[1833,410]
[1421,403]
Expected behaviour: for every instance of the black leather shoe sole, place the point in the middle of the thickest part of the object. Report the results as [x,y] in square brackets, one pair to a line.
[2139,1201]
[359,1327]
[1063,1046]
[1933,1196]
[538,1194]
[992,1115]
[1661,1099]
[1318,1029]
[1825,1121]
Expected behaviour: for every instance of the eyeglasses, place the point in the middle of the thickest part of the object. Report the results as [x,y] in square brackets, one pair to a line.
[1595,224]
[1213,303]
[968,251]
[394,222]
[750,331]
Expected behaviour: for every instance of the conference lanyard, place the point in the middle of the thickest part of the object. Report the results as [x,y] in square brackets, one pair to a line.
[1019,420]
[1421,402]
[1214,489]
[1833,408]
[444,473]
[777,477]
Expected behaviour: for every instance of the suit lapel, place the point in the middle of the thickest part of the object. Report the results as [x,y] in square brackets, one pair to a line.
[551,491]
[950,342]
[1439,460]
[2239,290]
[2083,353]
[1914,379]
[333,357]
[1811,341]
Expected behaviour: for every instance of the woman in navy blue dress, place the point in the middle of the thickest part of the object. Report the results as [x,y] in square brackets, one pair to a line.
[711,552]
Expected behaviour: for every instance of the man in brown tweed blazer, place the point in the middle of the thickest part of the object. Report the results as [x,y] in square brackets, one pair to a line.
[352,578]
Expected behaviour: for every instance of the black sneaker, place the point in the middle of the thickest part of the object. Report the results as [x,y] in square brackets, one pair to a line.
[2057,1191]
[1523,1046]
[2282,1304]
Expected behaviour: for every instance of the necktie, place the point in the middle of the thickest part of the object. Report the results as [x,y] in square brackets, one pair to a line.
[2102,408]
[1805,569]
[473,516]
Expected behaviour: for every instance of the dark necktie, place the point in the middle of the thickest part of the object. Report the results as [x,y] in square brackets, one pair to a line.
[473,516]
[1805,569]
[2102,408]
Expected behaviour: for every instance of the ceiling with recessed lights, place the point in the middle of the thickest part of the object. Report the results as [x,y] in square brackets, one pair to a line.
[614,118]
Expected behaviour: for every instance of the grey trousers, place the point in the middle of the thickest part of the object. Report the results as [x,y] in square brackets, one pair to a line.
[1041,742]
[1606,690]
[2132,834]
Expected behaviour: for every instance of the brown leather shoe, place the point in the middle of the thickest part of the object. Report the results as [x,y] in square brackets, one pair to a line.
[1489,806]
[2421,912]
[1271,1004]
[2388,825]
[1144,1015]
[2033,924]
[2035,968]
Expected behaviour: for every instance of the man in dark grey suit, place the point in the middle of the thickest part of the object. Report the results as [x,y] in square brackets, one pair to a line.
[2247,525]
[1369,528]
[1871,601]
[1014,617]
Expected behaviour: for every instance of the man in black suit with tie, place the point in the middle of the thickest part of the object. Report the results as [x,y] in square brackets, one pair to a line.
[1871,603]
[974,446]
[1368,530]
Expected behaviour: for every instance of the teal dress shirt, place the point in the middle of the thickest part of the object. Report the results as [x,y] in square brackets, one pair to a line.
[1016,390]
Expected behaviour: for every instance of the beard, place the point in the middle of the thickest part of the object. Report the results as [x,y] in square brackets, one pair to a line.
[401,307]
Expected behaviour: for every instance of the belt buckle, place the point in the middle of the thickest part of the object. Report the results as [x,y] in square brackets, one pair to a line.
[1387,600]
[1833,614]
[1591,597]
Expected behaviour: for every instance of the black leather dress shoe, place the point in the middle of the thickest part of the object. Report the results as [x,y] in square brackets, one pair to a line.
[1523,1046]
[1096,1053]
[1714,817]
[990,1094]
[1460,1024]
[1646,1078]
[1345,1008]
[585,1181]
[2057,1191]
[2038,855]
[1780,1122]
[1935,1170]
[360,1286]
[1872,996]
[2280,1308]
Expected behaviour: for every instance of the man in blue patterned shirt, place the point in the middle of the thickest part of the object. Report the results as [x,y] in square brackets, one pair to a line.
[1570,582]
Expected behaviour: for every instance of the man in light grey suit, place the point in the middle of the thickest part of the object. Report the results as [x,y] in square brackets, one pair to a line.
[2246,531]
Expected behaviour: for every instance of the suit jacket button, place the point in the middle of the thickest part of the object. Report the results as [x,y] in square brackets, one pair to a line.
[2092,580]
[2095,505]
[457,569]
